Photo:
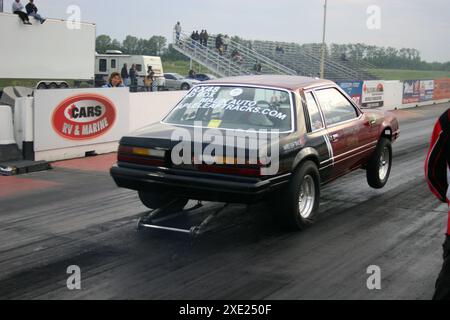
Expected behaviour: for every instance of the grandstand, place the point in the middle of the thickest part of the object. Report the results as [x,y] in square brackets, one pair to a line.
[305,60]
[293,59]
[223,64]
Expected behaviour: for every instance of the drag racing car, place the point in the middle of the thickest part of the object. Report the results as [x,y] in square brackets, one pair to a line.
[257,138]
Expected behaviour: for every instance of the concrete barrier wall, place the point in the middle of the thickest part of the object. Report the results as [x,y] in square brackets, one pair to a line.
[70,123]
[134,111]
[23,121]
[140,109]
[6,126]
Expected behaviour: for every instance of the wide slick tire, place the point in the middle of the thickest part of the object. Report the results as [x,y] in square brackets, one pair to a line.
[299,202]
[155,201]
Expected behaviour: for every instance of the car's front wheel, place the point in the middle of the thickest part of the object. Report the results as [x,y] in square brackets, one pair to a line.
[155,201]
[299,204]
[379,166]
[185,86]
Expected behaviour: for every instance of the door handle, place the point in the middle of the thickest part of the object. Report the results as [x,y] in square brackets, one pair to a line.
[334,137]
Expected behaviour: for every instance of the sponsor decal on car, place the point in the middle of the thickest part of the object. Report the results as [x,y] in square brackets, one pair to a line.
[84,117]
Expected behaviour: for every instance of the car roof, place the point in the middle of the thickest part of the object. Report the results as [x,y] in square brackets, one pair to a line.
[279,81]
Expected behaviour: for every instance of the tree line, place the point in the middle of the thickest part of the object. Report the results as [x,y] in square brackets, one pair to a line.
[154,46]
[386,57]
[380,57]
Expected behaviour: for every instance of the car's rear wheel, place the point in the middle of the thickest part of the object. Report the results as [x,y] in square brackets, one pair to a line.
[300,201]
[379,166]
[155,201]
[185,86]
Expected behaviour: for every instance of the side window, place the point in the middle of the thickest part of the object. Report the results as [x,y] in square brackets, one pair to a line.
[102,65]
[113,63]
[314,113]
[169,77]
[139,67]
[335,107]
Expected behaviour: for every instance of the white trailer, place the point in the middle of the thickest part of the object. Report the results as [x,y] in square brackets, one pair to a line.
[113,61]
[51,53]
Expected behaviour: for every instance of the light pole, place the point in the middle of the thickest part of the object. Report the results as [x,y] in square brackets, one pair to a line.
[322,61]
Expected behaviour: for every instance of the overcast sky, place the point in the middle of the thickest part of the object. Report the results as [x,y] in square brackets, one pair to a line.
[419,24]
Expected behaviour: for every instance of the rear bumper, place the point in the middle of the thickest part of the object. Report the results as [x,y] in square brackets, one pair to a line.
[207,187]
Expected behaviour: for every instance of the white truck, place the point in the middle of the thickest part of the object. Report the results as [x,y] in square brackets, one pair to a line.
[113,61]
[54,54]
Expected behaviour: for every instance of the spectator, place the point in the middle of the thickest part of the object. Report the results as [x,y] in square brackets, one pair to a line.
[192,74]
[226,43]
[154,82]
[197,36]
[202,35]
[279,50]
[149,69]
[193,38]
[32,11]
[258,68]
[17,8]
[219,44]
[177,29]
[133,78]
[115,81]
[236,56]
[125,75]
[205,38]
[148,81]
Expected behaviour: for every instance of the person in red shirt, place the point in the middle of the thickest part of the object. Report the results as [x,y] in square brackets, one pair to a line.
[437,172]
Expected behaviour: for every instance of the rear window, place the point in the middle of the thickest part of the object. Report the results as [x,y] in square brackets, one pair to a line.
[234,107]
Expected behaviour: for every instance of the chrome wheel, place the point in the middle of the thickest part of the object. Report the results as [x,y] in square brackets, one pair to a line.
[307,197]
[384,163]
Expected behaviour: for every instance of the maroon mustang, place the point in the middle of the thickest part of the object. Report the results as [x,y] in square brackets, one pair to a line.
[322,135]
[438,176]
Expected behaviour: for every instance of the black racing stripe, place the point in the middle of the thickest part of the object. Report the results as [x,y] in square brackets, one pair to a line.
[444,121]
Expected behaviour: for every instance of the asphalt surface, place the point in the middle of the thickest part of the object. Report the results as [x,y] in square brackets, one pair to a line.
[79,217]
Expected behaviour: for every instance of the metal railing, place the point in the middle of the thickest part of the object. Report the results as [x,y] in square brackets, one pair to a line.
[306,60]
[207,57]
[222,63]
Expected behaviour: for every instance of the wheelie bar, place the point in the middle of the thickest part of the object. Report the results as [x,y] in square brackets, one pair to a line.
[194,231]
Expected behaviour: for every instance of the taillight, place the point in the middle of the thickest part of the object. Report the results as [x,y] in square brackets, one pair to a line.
[227,165]
[142,156]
